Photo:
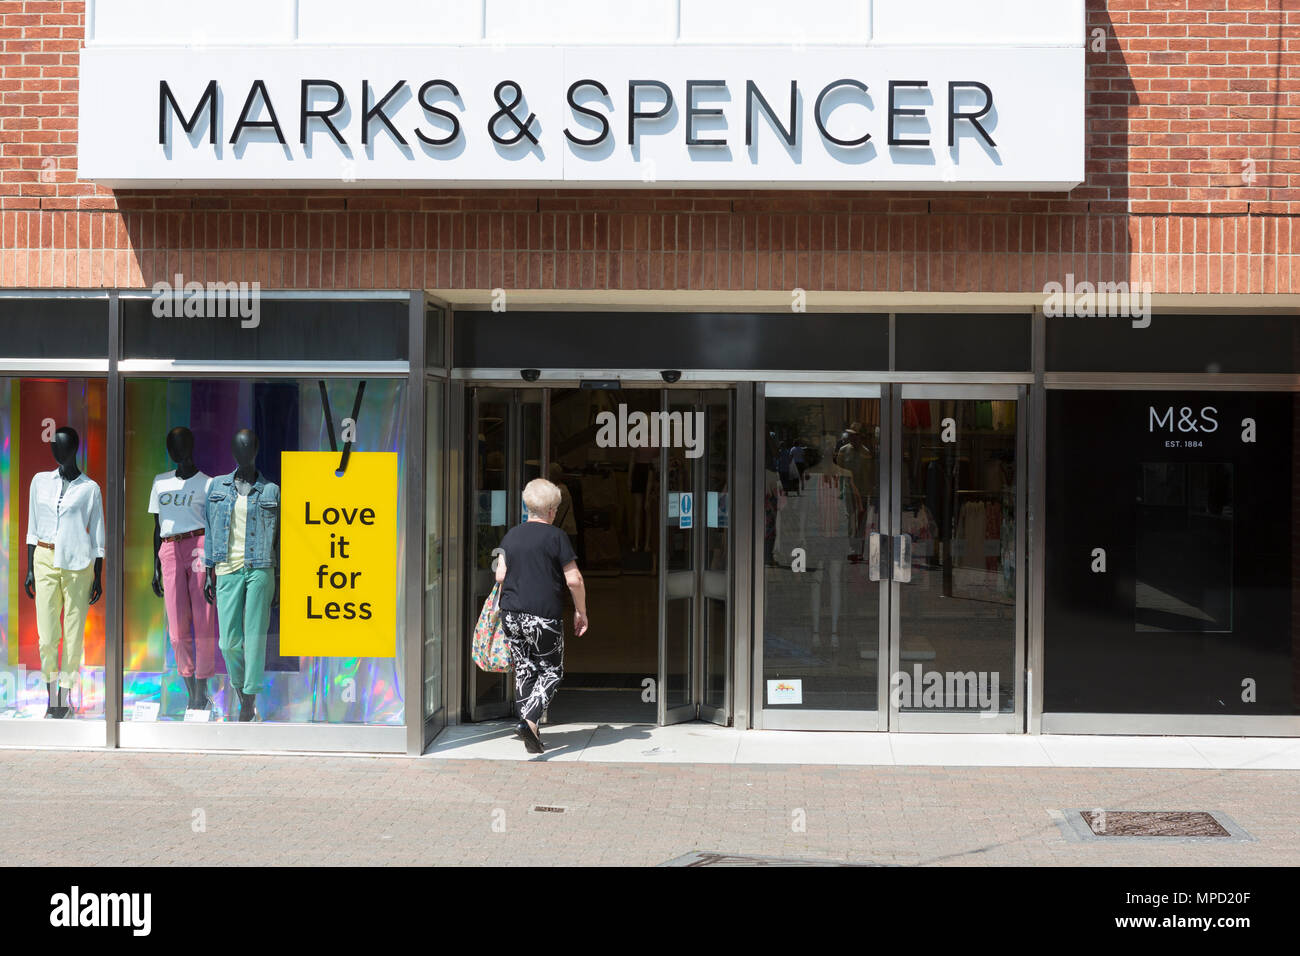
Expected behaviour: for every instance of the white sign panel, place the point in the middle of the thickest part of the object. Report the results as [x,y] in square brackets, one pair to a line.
[915,117]
[145,710]
[785,691]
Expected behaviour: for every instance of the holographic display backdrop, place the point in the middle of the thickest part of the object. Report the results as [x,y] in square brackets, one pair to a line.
[286,415]
[29,408]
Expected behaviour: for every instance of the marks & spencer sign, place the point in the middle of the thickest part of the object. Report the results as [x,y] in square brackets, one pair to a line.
[860,117]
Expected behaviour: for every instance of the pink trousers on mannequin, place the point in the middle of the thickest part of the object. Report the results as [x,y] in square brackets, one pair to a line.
[182,580]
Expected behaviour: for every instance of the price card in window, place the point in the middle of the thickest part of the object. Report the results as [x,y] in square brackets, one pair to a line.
[145,710]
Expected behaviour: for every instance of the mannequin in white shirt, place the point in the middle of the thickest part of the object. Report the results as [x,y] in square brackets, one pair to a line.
[65,445]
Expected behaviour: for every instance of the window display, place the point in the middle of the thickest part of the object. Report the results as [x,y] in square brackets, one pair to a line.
[211,648]
[52,548]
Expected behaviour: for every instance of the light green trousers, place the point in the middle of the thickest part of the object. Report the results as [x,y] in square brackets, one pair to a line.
[243,614]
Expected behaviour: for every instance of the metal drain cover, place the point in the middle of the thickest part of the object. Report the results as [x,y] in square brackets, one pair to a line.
[1153,823]
[1155,826]
[710,858]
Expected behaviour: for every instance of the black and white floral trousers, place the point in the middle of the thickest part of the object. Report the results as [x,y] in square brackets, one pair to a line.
[537,655]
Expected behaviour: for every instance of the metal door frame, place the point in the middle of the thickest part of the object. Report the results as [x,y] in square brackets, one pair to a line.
[689,710]
[705,711]
[940,721]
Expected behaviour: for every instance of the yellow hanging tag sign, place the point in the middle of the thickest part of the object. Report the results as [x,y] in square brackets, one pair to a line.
[338,555]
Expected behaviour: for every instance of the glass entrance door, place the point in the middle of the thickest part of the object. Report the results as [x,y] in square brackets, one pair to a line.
[505,452]
[957,590]
[695,588]
[646,476]
[823,488]
[891,594]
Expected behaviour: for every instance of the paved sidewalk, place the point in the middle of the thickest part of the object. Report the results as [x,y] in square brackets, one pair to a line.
[707,743]
[118,807]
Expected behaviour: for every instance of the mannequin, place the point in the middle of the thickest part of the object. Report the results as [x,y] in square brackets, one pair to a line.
[239,552]
[178,503]
[65,533]
[820,520]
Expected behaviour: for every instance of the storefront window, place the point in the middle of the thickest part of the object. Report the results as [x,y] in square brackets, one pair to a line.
[222,587]
[53,540]
[1171,581]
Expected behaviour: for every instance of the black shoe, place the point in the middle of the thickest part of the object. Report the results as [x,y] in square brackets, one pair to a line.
[521,730]
[532,742]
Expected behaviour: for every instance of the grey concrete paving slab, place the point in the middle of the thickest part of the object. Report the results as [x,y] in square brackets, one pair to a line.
[69,808]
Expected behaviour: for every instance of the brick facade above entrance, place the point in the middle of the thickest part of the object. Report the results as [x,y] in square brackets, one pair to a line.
[1192,184]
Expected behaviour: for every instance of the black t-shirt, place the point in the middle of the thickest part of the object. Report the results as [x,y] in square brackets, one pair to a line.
[536,553]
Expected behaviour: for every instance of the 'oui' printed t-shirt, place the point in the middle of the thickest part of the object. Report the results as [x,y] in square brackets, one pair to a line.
[179,503]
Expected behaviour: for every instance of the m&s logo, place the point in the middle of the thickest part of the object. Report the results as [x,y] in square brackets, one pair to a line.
[1184,419]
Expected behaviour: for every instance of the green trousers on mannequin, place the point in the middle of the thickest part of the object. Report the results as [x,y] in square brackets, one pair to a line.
[243,614]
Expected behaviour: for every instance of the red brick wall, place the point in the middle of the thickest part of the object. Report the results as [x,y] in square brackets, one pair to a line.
[1182,95]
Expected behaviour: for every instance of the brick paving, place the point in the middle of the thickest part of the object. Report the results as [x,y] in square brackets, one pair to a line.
[88,808]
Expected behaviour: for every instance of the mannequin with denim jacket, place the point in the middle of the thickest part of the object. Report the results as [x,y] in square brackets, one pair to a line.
[239,552]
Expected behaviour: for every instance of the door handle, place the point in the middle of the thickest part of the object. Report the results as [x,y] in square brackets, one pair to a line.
[902,557]
[874,556]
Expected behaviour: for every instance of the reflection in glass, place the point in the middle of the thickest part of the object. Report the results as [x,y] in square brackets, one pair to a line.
[1184,547]
[821,495]
[433,549]
[957,618]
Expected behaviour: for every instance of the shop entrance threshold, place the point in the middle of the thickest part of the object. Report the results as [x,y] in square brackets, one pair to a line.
[700,742]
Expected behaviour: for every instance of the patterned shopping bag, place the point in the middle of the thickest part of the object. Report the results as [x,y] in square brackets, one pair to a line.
[489,649]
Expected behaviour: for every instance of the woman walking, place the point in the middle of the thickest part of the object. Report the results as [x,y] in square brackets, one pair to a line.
[535,565]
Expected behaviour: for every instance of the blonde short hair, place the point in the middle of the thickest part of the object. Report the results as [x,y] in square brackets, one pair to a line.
[541,497]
